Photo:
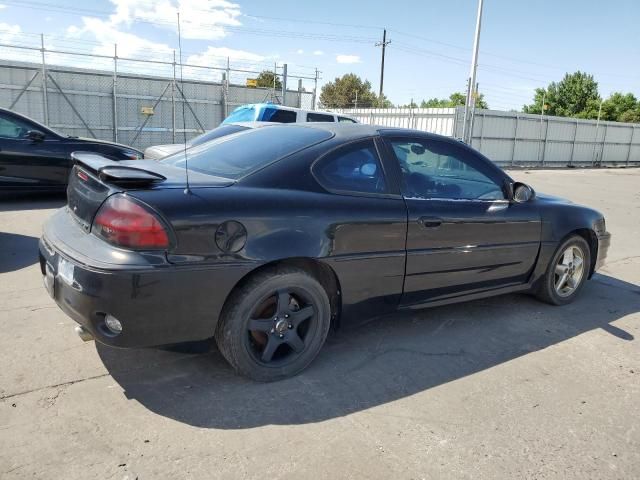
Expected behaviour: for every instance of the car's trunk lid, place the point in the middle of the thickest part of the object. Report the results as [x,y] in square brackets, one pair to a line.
[94,178]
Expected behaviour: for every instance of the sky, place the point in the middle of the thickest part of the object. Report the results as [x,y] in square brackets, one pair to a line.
[523,44]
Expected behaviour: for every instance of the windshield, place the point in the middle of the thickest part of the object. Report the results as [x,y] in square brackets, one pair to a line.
[216,133]
[237,155]
[241,114]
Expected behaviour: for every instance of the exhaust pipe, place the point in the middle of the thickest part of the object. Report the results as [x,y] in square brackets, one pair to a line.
[83,333]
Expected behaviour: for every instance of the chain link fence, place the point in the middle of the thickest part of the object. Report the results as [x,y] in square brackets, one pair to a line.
[126,104]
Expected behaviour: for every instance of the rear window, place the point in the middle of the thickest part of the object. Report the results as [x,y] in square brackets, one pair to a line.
[241,114]
[216,133]
[271,114]
[238,155]
[319,117]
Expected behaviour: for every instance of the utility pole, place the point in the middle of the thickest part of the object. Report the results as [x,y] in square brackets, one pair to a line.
[355,104]
[382,44]
[474,63]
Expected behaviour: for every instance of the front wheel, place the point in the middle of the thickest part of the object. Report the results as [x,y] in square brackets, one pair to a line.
[567,272]
[274,325]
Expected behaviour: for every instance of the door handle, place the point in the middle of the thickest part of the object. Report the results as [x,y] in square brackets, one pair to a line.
[430,222]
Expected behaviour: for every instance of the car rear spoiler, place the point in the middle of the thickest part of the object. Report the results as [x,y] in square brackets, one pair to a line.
[110,171]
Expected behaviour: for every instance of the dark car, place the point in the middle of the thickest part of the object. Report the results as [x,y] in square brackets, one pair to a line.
[36,158]
[278,233]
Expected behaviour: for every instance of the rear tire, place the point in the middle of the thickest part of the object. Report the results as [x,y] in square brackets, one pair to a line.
[274,325]
[566,273]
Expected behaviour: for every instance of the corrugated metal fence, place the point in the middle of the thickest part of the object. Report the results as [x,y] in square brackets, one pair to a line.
[112,105]
[511,138]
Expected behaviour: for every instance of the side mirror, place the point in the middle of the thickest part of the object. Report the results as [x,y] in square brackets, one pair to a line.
[35,135]
[522,192]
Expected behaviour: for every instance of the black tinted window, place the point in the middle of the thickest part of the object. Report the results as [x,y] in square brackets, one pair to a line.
[272,114]
[354,168]
[435,169]
[235,156]
[216,133]
[319,117]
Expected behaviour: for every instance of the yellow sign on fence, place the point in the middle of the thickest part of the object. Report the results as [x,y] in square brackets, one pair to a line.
[252,82]
[147,110]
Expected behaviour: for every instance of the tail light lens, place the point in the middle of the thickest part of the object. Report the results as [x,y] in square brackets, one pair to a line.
[124,222]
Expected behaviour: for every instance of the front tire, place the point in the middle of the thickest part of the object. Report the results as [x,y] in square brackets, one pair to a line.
[567,272]
[274,325]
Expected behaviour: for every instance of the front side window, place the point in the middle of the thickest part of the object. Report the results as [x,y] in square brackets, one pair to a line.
[354,168]
[346,120]
[238,155]
[272,114]
[436,169]
[319,117]
[11,128]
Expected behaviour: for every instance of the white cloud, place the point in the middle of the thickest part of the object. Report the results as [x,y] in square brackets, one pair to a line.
[217,56]
[199,19]
[318,52]
[2,6]
[129,44]
[348,59]
[9,31]
[299,51]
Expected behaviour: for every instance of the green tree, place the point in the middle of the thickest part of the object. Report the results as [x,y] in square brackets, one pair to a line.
[456,99]
[620,107]
[341,93]
[265,79]
[576,95]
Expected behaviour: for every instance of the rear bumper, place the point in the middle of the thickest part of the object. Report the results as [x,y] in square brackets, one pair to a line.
[604,240]
[156,305]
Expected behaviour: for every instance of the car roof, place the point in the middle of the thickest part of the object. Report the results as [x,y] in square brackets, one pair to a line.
[250,124]
[353,131]
[277,106]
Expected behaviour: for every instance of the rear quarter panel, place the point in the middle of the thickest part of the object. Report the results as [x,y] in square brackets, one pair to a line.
[362,239]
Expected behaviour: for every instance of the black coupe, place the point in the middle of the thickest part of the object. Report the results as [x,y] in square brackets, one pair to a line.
[278,233]
[36,158]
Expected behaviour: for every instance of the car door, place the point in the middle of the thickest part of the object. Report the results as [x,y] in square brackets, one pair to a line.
[463,234]
[368,226]
[30,158]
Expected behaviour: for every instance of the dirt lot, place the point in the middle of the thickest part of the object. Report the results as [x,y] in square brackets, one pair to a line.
[499,388]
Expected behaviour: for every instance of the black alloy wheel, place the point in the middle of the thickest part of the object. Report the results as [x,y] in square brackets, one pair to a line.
[274,324]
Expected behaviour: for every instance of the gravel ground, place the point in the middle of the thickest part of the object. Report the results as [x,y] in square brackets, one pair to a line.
[505,387]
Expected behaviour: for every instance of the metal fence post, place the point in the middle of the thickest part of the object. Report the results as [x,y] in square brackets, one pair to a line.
[633,131]
[604,139]
[226,87]
[173,99]
[45,102]
[299,93]
[115,92]
[515,140]
[223,100]
[284,84]
[315,90]
[573,145]
[544,145]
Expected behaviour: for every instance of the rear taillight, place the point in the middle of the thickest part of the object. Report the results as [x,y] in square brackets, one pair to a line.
[124,222]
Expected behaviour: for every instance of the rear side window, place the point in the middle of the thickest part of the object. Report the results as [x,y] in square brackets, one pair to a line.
[241,114]
[236,156]
[319,117]
[353,168]
[270,114]
[346,120]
